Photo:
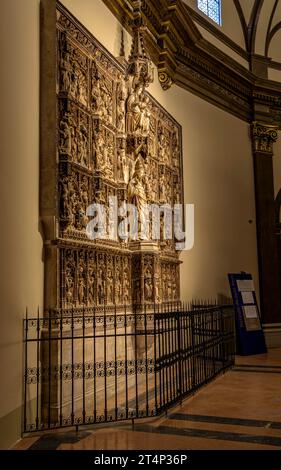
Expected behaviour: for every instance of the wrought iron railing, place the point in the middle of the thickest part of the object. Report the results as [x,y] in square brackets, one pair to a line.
[86,367]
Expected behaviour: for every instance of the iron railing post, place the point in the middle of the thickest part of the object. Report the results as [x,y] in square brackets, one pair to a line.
[179,354]
[193,348]
[155,362]
[25,322]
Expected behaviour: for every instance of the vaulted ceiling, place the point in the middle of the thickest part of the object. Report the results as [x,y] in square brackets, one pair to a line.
[261,25]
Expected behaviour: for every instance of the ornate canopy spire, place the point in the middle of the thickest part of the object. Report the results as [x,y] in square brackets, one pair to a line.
[139,63]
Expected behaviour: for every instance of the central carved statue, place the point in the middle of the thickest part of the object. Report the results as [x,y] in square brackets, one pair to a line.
[138,116]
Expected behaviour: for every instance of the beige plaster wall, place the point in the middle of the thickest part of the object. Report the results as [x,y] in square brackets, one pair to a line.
[21,268]
[217,172]
[218,179]
[274,74]
[223,47]
[274,48]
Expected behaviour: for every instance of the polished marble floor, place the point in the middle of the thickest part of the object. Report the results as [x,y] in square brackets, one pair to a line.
[240,410]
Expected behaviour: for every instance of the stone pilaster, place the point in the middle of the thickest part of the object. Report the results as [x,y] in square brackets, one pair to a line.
[263,138]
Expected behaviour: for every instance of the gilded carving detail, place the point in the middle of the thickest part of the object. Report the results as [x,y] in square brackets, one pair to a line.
[165,80]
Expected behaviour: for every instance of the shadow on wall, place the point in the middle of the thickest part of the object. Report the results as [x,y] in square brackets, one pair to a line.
[224,299]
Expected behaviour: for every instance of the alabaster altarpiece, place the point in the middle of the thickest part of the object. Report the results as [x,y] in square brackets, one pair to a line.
[113,140]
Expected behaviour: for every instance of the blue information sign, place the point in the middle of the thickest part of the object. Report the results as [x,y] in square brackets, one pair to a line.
[249,333]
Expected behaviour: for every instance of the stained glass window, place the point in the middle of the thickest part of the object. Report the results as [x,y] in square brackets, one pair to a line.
[211,8]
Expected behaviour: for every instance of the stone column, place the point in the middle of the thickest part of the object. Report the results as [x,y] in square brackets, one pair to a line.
[263,138]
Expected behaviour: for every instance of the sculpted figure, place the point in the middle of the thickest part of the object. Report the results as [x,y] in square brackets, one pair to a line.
[163,147]
[67,131]
[120,118]
[81,291]
[106,96]
[68,200]
[110,287]
[144,120]
[74,79]
[84,192]
[69,286]
[96,95]
[134,108]
[123,167]
[91,284]
[176,149]
[121,104]
[119,166]
[106,167]
[170,291]
[157,291]
[101,296]
[81,87]
[74,143]
[80,144]
[66,137]
[66,71]
[103,156]
[82,141]
[101,97]
[118,287]
[137,190]
[126,287]
[163,188]
[99,150]
[148,289]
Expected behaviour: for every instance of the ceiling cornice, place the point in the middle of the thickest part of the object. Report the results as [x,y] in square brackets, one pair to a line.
[183,57]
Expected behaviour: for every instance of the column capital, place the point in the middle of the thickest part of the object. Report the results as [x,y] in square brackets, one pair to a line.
[263,137]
